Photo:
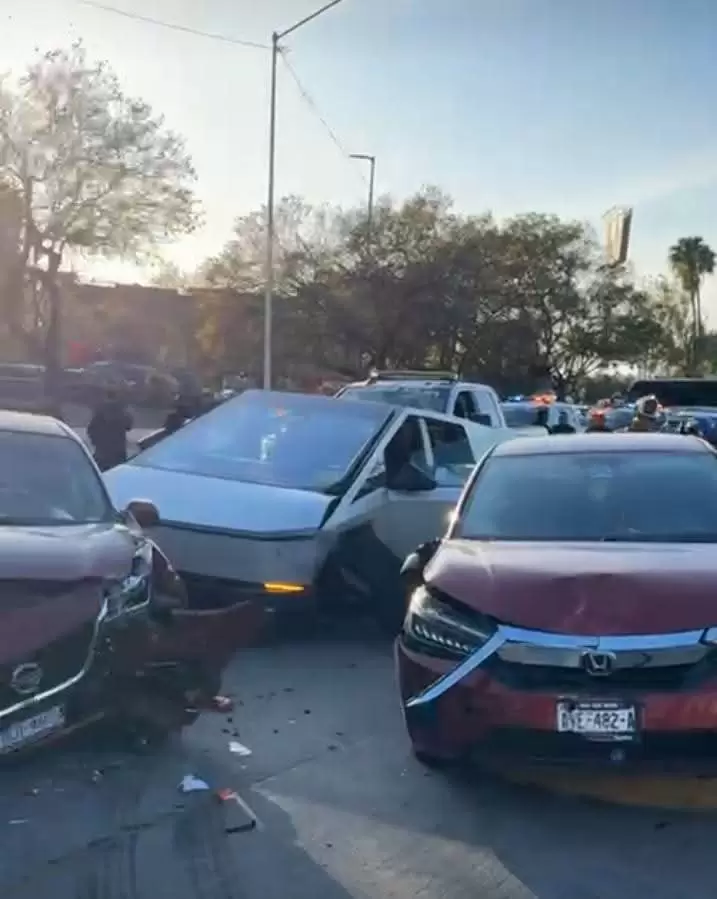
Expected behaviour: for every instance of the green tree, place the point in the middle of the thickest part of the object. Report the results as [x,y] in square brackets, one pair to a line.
[691,259]
[232,307]
[671,311]
[96,173]
[301,233]
[170,275]
[510,303]
[553,286]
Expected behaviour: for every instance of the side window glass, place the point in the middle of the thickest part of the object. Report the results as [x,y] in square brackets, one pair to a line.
[375,480]
[494,409]
[484,411]
[406,447]
[452,453]
[465,406]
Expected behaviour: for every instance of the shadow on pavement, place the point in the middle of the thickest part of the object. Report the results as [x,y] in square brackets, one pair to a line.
[458,836]
[96,821]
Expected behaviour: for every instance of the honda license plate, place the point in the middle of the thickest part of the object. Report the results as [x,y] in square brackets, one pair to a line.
[597,720]
[30,729]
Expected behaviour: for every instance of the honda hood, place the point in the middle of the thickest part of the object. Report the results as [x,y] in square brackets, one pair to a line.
[584,589]
[219,503]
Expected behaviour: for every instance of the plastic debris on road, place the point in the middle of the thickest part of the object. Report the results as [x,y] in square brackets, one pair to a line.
[239,748]
[238,817]
[192,784]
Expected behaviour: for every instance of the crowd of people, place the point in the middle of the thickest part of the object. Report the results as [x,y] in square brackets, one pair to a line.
[647,418]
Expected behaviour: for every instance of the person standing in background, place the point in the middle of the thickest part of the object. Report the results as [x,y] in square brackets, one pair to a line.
[108,429]
[597,423]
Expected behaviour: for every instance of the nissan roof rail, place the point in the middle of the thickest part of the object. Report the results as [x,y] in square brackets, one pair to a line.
[412,376]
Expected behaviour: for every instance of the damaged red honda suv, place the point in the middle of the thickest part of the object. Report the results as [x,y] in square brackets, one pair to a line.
[570,613]
[93,619]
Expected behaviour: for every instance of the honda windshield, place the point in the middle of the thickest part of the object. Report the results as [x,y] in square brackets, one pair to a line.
[606,496]
[281,439]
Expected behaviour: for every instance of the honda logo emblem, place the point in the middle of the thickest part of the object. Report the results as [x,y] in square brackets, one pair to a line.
[598,664]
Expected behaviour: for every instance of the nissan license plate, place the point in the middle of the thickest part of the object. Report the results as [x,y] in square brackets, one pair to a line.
[30,729]
[597,720]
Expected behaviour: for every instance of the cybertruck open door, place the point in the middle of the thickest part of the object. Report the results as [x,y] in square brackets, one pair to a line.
[404,497]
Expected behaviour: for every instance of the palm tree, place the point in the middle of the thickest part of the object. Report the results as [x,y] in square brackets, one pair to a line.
[691,259]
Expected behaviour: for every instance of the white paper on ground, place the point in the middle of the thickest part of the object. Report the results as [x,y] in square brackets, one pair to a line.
[239,748]
[192,784]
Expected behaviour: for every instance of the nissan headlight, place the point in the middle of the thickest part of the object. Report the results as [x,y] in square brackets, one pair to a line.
[438,628]
[134,589]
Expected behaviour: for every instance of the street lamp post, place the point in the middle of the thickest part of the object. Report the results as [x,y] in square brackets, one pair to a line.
[372,162]
[269,275]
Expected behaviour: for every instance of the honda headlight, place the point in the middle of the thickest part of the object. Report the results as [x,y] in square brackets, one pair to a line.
[439,628]
[710,636]
[134,589]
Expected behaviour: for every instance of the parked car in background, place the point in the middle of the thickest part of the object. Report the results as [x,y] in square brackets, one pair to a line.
[682,399]
[232,385]
[189,384]
[432,390]
[142,385]
[21,370]
[298,501]
[22,388]
[94,621]
[619,417]
[676,393]
[540,413]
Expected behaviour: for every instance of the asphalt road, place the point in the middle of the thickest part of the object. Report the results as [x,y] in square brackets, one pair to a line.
[343,810]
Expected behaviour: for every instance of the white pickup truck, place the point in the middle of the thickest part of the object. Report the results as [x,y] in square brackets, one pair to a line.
[439,391]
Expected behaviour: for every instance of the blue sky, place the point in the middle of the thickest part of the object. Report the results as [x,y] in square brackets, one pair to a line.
[509,105]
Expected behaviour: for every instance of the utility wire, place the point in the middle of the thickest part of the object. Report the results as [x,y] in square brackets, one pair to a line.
[185,29]
[172,26]
[311,103]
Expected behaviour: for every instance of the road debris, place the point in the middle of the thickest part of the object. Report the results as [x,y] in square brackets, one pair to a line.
[238,817]
[192,784]
[239,748]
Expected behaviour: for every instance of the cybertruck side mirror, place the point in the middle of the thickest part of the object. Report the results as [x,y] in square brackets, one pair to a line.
[144,512]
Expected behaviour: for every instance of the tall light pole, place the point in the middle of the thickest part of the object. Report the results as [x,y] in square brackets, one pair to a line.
[372,177]
[269,275]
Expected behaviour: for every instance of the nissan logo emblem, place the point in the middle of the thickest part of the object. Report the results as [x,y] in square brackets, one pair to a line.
[598,664]
[26,679]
